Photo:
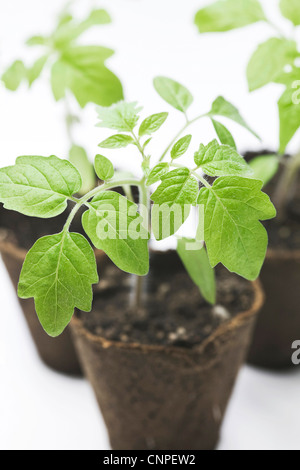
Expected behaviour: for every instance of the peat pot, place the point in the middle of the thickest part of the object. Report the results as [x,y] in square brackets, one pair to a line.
[163,374]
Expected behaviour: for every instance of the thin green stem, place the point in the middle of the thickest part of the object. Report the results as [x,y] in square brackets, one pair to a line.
[144,200]
[71,216]
[84,200]
[138,144]
[144,196]
[106,186]
[179,133]
[201,179]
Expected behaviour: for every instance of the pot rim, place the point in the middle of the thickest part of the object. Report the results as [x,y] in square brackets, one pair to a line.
[283,254]
[231,324]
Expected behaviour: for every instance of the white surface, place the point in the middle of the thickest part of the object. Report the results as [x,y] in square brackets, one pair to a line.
[43,410]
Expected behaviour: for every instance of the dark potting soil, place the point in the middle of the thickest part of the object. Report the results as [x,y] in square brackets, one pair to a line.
[174,314]
[25,230]
[283,234]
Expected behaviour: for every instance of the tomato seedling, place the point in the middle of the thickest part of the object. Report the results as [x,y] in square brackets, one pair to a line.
[60,269]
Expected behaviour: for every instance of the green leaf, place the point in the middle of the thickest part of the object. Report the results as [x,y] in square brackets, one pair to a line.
[173,93]
[291,10]
[14,75]
[104,168]
[70,30]
[35,71]
[167,218]
[289,117]
[195,260]
[157,173]
[81,69]
[37,41]
[78,157]
[288,77]
[97,17]
[177,187]
[147,142]
[38,186]
[58,272]
[269,60]
[152,124]
[221,160]
[265,167]
[114,226]
[173,198]
[233,207]
[225,15]
[117,141]
[64,17]
[224,135]
[222,107]
[121,116]
[181,147]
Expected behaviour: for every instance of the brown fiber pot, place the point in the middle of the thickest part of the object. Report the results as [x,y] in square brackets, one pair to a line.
[278,324]
[58,353]
[166,398]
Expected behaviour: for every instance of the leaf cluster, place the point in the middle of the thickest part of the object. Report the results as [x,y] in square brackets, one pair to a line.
[60,269]
[77,68]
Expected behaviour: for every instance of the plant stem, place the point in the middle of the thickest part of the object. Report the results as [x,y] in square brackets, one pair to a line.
[106,186]
[139,146]
[84,200]
[137,299]
[144,203]
[187,124]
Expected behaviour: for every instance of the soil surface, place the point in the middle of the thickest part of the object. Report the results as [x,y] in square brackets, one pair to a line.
[283,234]
[174,314]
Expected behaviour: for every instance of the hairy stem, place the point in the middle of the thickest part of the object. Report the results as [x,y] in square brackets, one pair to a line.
[103,187]
[144,196]
[137,299]
[144,203]
[138,144]
[187,124]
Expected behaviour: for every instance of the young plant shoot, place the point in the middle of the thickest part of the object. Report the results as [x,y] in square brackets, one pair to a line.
[74,69]
[60,270]
[277,60]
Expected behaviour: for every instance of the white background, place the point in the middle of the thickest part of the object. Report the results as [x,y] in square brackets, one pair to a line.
[40,409]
